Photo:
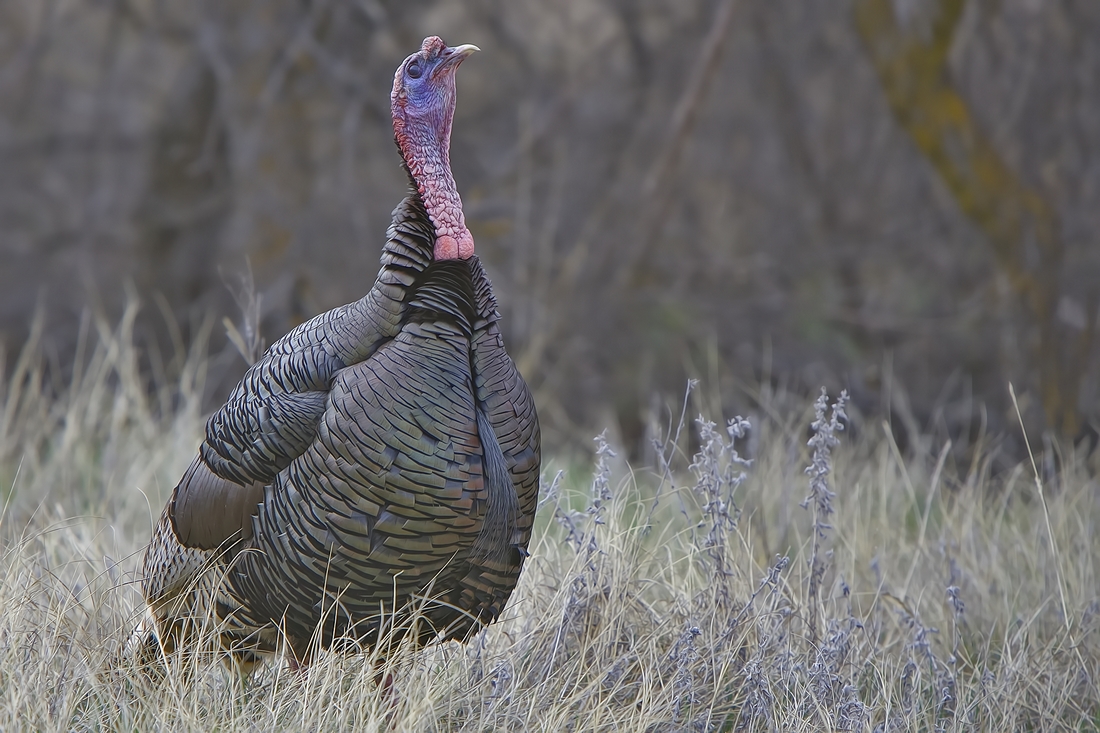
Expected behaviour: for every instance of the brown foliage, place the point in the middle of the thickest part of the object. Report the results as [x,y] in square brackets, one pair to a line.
[1014,217]
[863,194]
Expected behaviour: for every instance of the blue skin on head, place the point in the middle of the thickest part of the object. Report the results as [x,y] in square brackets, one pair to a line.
[426,84]
[422,84]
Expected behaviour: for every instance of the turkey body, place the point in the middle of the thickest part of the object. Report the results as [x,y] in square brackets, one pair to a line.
[382,456]
[419,486]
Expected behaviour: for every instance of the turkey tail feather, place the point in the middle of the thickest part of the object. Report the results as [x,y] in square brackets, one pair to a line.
[499,530]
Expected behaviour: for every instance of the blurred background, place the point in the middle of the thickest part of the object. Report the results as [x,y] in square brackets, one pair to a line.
[897,197]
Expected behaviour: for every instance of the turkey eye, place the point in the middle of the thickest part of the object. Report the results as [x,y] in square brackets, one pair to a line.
[413,70]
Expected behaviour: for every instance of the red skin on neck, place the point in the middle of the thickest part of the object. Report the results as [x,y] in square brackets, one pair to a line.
[424,138]
[429,163]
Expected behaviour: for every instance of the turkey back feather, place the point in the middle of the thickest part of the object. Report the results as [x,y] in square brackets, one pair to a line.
[243,442]
[209,512]
[272,415]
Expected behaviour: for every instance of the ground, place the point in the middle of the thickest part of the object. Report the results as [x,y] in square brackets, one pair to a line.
[916,590]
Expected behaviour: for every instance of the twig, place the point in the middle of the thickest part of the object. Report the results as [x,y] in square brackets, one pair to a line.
[688,106]
[683,117]
[247,339]
[665,459]
[1046,512]
[927,512]
[820,499]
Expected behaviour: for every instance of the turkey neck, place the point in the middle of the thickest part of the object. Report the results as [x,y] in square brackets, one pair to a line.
[429,162]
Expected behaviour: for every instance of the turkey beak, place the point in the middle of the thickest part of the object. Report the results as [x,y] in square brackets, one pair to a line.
[452,57]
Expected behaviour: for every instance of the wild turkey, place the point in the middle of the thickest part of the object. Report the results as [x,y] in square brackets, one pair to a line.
[383,455]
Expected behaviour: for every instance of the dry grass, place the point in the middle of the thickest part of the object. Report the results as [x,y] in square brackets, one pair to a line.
[693,595]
